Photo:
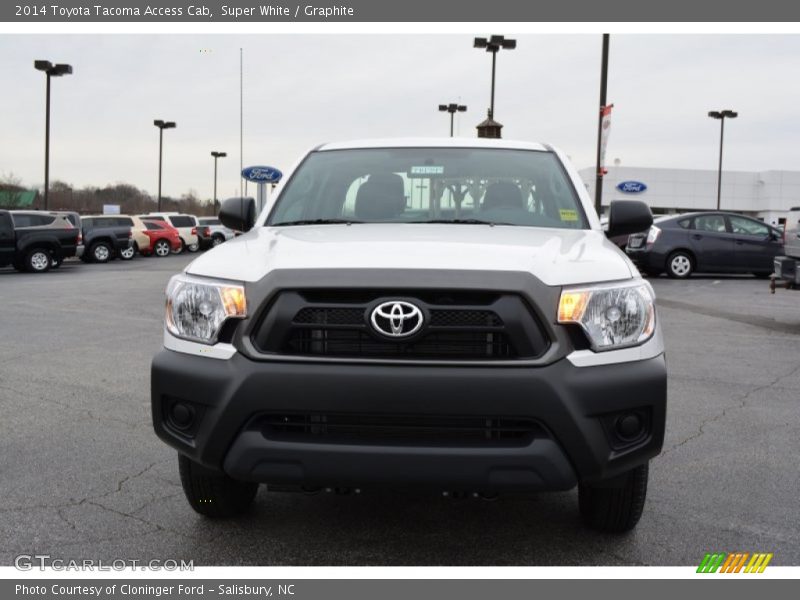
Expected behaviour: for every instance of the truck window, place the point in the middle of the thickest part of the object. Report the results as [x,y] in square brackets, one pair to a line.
[30,220]
[424,185]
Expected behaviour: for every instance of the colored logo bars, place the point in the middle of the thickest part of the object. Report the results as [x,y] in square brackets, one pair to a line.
[734,562]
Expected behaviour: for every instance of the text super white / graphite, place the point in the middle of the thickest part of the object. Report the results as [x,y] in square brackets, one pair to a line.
[236,12]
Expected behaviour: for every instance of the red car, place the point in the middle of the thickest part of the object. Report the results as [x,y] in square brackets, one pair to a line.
[164,238]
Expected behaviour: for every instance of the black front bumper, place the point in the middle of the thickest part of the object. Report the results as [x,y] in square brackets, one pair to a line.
[575,407]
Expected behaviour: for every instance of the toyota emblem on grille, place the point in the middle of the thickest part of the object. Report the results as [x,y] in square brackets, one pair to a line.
[396,319]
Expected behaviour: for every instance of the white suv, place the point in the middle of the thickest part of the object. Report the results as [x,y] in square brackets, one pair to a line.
[185,224]
[441,313]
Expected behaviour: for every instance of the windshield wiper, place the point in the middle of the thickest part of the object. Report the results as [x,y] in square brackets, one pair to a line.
[462,222]
[316,222]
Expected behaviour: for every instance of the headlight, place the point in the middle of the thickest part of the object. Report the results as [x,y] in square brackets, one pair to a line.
[613,316]
[197,308]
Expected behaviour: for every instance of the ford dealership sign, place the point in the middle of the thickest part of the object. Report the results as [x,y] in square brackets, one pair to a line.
[631,187]
[262,174]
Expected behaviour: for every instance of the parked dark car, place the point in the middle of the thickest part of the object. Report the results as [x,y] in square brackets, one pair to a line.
[706,242]
[104,239]
[36,241]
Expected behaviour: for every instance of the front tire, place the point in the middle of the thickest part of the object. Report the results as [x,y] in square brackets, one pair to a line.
[615,505]
[38,261]
[127,253]
[217,240]
[680,265]
[214,494]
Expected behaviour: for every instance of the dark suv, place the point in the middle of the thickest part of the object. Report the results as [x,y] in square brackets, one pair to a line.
[706,242]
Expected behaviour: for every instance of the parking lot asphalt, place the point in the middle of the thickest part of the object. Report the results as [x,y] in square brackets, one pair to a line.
[82,474]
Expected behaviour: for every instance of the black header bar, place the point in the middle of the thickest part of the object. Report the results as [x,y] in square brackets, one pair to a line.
[438,11]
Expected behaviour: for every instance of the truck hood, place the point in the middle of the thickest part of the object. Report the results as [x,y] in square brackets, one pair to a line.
[555,256]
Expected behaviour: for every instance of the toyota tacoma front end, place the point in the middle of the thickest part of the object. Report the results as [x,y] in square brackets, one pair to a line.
[430,313]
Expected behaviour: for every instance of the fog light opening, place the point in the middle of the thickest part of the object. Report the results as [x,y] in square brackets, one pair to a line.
[181,416]
[629,426]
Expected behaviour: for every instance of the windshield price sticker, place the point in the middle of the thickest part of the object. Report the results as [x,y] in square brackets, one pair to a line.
[568,215]
[427,170]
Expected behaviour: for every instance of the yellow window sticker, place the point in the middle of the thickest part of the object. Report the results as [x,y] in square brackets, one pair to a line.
[568,215]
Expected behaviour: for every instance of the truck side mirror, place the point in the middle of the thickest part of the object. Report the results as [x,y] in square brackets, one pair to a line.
[628,216]
[238,213]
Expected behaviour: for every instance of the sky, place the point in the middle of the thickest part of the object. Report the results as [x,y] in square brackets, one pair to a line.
[301,90]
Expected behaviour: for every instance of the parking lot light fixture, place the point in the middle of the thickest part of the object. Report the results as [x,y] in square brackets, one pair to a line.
[50,70]
[493,44]
[452,108]
[162,125]
[216,155]
[721,115]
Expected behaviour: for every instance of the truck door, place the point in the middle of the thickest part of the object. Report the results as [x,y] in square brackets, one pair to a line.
[7,239]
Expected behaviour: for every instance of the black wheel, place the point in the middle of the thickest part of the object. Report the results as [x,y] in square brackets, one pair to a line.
[100,252]
[615,505]
[161,248]
[193,247]
[214,494]
[38,260]
[680,265]
[127,253]
[217,240]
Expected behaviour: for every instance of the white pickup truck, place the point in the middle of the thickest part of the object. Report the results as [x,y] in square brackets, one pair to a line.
[443,313]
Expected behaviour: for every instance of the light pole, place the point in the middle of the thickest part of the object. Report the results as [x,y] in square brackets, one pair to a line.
[162,125]
[721,115]
[452,109]
[50,70]
[216,155]
[493,45]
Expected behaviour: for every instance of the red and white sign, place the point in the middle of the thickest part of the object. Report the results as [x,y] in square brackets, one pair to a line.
[605,129]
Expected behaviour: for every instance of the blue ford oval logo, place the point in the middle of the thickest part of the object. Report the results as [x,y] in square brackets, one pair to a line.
[262,174]
[631,187]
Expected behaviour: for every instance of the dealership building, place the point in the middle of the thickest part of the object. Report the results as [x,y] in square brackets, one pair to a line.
[765,195]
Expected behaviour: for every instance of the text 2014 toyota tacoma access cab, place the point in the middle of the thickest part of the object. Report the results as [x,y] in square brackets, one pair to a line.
[437,313]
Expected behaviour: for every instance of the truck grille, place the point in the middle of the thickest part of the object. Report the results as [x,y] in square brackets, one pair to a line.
[398,429]
[460,326]
[354,343]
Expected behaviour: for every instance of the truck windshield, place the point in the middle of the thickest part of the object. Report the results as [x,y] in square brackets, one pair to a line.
[469,186]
